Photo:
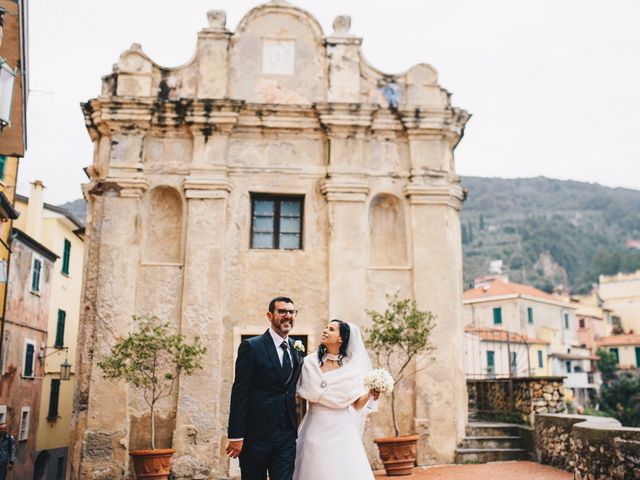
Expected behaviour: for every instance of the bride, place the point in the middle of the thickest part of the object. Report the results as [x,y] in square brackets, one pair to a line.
[332,380]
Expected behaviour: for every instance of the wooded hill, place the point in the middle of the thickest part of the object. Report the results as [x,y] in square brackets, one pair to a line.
[546,232]
[549,232]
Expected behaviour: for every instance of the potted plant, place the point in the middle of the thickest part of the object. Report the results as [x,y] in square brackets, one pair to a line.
[151,359]
[399,342]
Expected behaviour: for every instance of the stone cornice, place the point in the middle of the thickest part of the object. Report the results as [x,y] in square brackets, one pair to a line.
[346,116]
[344,190]
[109,115]
[337,39]
[127,115]
[128,187]
[289,117]
[428,123]
[199,187]
[444,194]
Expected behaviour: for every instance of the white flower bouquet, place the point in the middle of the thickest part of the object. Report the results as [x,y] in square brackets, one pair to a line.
[379,380]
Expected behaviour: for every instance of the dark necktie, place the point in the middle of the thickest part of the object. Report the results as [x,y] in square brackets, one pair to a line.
[286,360]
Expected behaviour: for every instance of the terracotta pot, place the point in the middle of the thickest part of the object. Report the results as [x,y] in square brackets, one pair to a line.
[152,464]
[398,454]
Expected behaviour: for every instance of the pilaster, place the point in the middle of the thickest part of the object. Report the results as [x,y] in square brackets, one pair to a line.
[441,399]
[347,257]
[105,432]
[198,437]
[343,53]
[213,53]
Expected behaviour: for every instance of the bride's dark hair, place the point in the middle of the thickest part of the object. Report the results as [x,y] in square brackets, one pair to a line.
[345,332]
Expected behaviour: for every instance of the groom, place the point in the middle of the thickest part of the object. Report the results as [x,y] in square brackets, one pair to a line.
[262,419]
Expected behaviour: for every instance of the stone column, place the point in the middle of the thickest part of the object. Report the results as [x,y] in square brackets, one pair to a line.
[213,52]
[435,198]
[346,191]
[343,53]
[441,397]
[347,249]
[201,414]
[104,440]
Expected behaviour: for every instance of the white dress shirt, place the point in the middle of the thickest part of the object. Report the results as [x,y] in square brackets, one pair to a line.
[277,341]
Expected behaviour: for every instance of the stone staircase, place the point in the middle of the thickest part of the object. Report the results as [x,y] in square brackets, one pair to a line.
[491,442]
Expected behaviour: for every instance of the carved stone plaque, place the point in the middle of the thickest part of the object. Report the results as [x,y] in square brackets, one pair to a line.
[278,56]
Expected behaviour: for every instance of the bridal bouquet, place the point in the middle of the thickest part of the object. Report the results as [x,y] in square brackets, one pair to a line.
[379,380]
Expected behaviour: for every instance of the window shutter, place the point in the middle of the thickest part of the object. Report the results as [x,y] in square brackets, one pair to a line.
[62,316]
[35,279]
[28,360]
[54,399]
[540,360]
[66,256]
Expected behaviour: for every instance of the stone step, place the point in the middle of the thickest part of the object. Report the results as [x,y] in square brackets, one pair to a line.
[486,455]
[491,442]
[491,429]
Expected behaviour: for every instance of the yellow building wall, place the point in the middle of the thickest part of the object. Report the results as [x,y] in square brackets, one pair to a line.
[8,187]
[621,293]
[626,355]
[536,370]
[65,295]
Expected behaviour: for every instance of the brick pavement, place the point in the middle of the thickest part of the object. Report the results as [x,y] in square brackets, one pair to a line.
[487,471]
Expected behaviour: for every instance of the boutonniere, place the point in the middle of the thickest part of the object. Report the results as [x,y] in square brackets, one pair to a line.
[298,346]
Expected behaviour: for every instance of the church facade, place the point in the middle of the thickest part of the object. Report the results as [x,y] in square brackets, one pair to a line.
[276,162]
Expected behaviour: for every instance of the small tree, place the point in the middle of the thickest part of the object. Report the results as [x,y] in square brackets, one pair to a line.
[151,359]
[397,337]
[621,398]
[607,364]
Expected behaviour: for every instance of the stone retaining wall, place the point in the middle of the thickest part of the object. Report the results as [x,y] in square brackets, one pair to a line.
[525,396]
[593,448]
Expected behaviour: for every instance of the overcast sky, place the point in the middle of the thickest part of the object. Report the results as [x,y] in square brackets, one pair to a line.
[553,85]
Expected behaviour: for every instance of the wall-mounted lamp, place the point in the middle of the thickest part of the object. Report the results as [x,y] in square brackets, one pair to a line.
[65,367]
[65,370]
[7,78]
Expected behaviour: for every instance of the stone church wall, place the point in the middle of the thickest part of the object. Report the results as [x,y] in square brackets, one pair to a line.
[274,108]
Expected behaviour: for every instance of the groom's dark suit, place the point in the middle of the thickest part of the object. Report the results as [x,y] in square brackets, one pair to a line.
[263,409]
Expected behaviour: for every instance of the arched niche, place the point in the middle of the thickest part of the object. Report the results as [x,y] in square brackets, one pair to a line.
[387,232]
[163,226]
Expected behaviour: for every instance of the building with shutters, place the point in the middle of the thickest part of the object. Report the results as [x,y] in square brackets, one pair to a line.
[276,162]
[23,342]
[61,233]
[13,127]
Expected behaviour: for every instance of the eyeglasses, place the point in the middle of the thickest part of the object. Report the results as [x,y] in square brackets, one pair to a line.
[283,311]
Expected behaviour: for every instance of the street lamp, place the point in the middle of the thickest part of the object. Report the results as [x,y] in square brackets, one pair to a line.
[65,367]
[7,78]
[65,370]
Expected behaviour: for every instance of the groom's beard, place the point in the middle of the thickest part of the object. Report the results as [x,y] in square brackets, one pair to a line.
[284,326]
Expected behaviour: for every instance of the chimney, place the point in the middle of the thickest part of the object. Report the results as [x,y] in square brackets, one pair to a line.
[35,205]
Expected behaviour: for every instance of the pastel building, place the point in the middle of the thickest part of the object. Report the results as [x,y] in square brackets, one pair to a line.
[544,323]
[626,348]
[62,234]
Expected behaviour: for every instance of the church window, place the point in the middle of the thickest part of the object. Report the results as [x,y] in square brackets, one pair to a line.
[276,222]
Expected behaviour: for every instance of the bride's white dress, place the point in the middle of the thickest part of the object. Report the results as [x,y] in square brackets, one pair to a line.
[330,436]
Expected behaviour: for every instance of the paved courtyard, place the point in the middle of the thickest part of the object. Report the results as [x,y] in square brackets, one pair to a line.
[492,471]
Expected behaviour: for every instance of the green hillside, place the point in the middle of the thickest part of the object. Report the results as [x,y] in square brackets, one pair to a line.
[546,232]
[549,232]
